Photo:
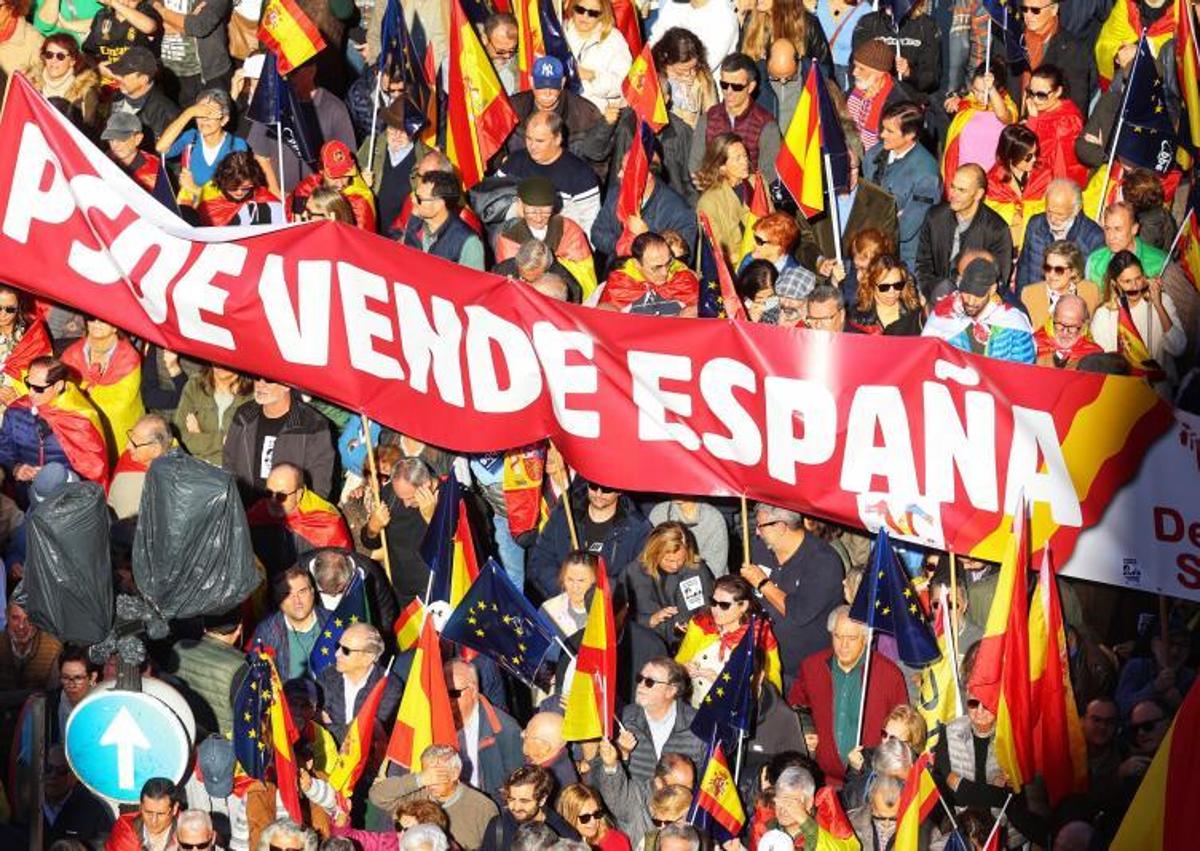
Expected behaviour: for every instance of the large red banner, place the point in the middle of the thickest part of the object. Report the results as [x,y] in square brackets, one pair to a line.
[933,443]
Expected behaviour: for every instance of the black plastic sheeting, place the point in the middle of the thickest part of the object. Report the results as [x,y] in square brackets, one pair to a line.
[68,587]
[191,551]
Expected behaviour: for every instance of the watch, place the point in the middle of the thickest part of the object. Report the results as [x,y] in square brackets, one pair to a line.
[760,585]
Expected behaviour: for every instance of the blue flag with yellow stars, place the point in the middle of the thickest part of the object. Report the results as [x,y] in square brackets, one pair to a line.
[887,602]
[726,712]
[251,741]
[1146,135]
[496,619]
[711,305]
[352,609]
[1008,27]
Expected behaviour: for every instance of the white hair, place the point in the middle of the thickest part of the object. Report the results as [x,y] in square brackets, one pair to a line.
[445,754]
[796,779]
[287,827]
[424,837]
[776,513]
[892,757]
[1063,184]
[831,621]
[195,818]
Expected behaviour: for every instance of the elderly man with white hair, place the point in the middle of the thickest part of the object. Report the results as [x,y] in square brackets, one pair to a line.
[469,810]
[285,835]
[347,683]
[194,830]
[830,685]
[794,815]
[799,578]
[1064,219]
[875,821]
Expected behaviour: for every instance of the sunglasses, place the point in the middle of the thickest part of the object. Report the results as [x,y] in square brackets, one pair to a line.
[456,693]
[724,605]
[1058,270]
[600,488]
[726,85]
[1039,95]
[348,651]
[1146,726]
[1034,10]
[194,846]
[889,288]
[55,54]
[974,703]
[8,308]
[279,496]
[591,13]
[647,682]
[758,240]
[38,388]
[661,822]
[586,818]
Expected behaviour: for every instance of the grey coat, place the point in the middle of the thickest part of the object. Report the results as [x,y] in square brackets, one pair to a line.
[682,740]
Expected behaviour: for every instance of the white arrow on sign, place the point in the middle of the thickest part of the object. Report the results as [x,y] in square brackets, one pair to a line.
[125,734]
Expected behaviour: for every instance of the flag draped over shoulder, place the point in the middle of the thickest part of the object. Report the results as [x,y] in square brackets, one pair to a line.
[76,424]
[718,296]
[289,33]
[635,174]
[356,748]
[497,620]
[315,519]
[1131,345]
[1059,747]
[592,699]
[814,131]
[887,602]
[479,115]
[917,800]
[1123,26]
[642,91]
[1001,675]
[1164,815]
[351,610]
[726,713]
[717,808]
[424,717]
[1147,135]
[34,343]
[448,547]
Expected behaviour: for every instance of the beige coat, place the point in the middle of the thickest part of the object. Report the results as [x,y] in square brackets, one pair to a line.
[22,51]
[1037,301]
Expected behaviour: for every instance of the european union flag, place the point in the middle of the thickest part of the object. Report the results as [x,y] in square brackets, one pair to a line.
[555,42]
[497,620]
[726,713]
[711,305]
[398,52]
[899,10]
[437,547]
[275,105]
[251,741]
[1010,29]
[1144,133]
[887,602]
[351,610]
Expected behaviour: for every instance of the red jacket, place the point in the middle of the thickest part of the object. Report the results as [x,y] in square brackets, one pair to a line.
[814,688]
[127,834]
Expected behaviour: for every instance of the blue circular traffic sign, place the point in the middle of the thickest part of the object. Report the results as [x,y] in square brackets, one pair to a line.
[117,740]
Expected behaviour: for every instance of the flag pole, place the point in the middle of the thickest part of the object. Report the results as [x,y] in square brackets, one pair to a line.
[566,504]
[862,701]
[954,609]
[999,821]
[745,531]
[833,209]
[1116,137]
[279,155]
[373,468]
[1179,233]
[987,52]
[374,119]
[737,765]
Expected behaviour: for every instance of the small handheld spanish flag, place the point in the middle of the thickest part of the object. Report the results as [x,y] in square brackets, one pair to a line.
[289,33]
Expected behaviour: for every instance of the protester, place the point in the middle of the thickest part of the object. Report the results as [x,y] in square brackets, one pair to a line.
[153,824]
[149,438]
[659,721]
[973,317]
[67,81]
[489,738]
[356,669]
[651,281]
[888,302]
[206,410]
[963,222]
[668,581]
[526,795]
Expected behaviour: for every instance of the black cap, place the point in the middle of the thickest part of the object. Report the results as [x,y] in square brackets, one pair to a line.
[979,277]
[135,60]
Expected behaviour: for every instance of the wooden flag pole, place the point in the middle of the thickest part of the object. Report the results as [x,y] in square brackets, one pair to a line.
[954,606]
[745,531]
[374,471]
[374,118]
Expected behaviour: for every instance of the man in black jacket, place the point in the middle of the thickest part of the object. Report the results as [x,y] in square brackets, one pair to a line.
[1056,46]
[273,429]
[525,794]
[960,223]
[135,74]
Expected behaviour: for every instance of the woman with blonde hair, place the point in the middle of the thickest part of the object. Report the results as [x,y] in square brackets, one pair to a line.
[768,20]
[902,726]
[327,203]
[583,809]
[888,302]
[723,178]
[602,56]
[669,581]
[668,805]
[1062,273]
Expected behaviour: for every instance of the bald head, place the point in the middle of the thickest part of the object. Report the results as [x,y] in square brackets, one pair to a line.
[783,59]
[543,737]
[552,285]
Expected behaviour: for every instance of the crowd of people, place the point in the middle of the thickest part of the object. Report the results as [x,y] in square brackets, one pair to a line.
[980,209]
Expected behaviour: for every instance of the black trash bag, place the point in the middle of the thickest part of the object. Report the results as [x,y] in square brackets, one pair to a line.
[68,586]
[191,551]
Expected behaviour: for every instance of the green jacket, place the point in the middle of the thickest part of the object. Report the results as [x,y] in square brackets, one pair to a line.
[210,671]
[1153,261]
[208,442]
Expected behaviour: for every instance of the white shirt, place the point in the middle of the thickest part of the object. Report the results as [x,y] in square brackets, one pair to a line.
[715,24]
[471,737]
[352,689]
[660,731]
[1164,348]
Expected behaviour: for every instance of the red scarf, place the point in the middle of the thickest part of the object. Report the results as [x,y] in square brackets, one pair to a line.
[123,361]
[33,344]
[874,104]
[1047,345]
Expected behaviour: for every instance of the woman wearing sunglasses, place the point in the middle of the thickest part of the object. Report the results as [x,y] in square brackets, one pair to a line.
[23,337]
[1056,121]
[901,740]
[1017,181]
[602,56]
[713,633]
[669,581]
[583,809]
[67,82]
[1153,313]
[1062,274]
[888,302]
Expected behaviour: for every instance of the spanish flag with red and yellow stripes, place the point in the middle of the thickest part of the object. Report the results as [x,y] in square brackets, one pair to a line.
[917,800]
[315,519]
[479,116]
[1187,67]
[356,748]
[643,93]
[77,426]
[283,734]
[1059,748]
[424,717]
[1164,814]
[1133,347]
[592,699]
[1124,26]
[717,808]
[289,33]
[1000,678]
[115,388]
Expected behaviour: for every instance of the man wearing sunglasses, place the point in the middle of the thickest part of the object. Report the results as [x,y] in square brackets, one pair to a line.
[354,673]
[489,739]
[500,41]
[291,521]
[738,113]
[1049,43]
[659,721]
[194,831]
[53,422]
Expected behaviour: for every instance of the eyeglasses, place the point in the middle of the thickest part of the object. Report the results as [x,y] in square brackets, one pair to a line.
[1063,327]
[761,526]
[821,320]
[1146,726]
[782,80]
[280,496]
[888,288]
[504,54]
[591,13]
[55,54]
[586,818]
[424,200]
[661,822]
[456,693]
[643,680]
[728,85]
[346,651]
[974,703]
[760,240]
[1057,270]
[1029,157]
[724,605]
[134,443]
[1039,95]
[77,678]
[274,847]
[195,846]
[38,388]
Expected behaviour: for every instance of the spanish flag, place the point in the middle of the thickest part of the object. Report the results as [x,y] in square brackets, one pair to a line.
[356,747]
[834,831]
[799,163]
[34,343]
[115,388]
[1059,748]
[1187,243]
[283,734]
[917,800]
[1124,26]
[1187,67]
[408,625]
[1001,675]
[479,115]
[315,520]
[717,808]
[938,696]
[531,43]
[625,19]
[1133,347]
[592,699]
[424,717]
[1164,815]
[759,206]
[448,547]
[289,33]
[77,426]
[642,91]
